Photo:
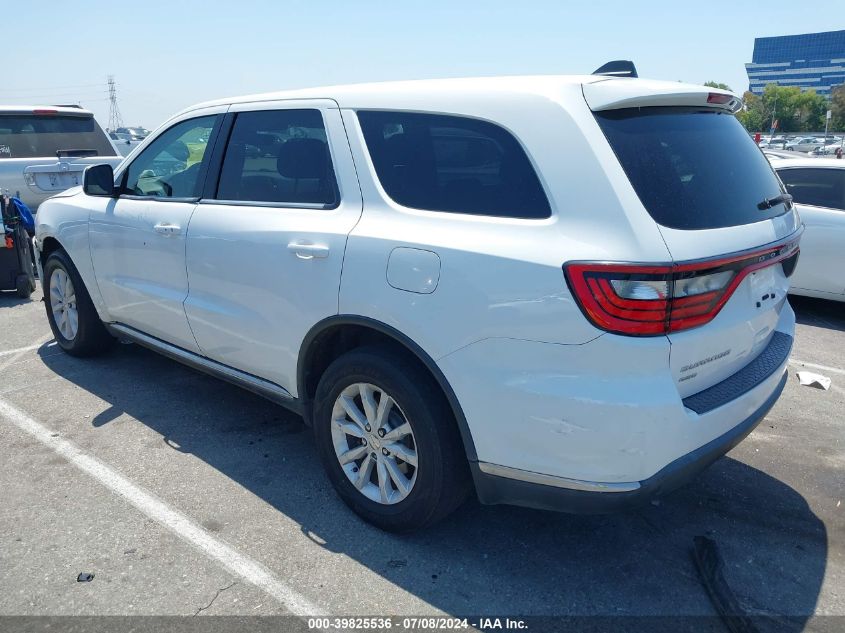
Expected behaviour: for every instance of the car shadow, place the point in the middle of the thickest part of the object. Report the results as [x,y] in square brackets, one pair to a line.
[487,560]
[819,312]
[8,299]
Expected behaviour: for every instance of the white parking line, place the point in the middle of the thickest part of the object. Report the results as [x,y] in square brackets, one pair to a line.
[13,355]
[832,370]
[239,564]
[21,350]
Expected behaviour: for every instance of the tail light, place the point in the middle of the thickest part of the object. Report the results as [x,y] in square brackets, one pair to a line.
[718,97]
[645,300]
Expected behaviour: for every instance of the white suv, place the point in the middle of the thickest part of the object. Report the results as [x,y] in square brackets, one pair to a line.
[565,292]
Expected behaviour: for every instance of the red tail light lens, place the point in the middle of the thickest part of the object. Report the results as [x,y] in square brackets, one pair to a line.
[715,97]
[640,300]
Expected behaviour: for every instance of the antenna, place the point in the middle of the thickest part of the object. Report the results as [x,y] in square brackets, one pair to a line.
[617,68]
[115,121]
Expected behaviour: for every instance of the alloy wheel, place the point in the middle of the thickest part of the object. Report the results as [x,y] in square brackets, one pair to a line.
[374,443]
[63,304]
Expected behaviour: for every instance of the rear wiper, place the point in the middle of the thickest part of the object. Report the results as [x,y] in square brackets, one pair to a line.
[768,203]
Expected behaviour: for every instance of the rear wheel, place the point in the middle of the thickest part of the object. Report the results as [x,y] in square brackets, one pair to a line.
[388,441]
[72,316]
[23,286]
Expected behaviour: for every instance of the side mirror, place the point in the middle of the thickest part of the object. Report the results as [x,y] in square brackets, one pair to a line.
[98,180]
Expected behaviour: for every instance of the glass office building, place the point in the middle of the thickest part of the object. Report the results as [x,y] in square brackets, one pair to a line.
[812,60]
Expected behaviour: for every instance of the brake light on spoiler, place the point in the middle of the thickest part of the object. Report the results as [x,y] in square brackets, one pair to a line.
[649,300]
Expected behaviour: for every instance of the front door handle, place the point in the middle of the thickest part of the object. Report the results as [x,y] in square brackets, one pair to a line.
[308,251]
[164,228]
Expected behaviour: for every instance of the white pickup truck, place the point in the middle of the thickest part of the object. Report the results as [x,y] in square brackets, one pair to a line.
[45,149]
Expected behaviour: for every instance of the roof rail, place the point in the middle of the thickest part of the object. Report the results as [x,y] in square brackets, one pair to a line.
[617,68]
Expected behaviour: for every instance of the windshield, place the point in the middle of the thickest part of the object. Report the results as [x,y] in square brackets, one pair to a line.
[42,135]
[692,168]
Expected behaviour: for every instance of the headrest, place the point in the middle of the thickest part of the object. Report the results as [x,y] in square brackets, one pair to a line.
[303,158]
[179,151]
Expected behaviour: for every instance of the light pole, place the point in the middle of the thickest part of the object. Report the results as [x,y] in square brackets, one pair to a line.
[772,127]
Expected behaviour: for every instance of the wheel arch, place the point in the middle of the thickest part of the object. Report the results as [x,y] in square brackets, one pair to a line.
[337,334]
[48,245]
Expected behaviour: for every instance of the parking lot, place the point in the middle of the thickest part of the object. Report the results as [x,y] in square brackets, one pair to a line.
[184,495]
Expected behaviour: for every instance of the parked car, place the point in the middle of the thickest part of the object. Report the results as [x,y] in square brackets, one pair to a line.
[506,310]
[817,186]
[782,155]
[803,144]
[45,149]
[133,133]
[828,149]
[773,143]
[124,143]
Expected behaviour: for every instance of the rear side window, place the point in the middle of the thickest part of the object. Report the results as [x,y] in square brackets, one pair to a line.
[456,164]
[818,187]
[692,169]
[43,135]
[278,156]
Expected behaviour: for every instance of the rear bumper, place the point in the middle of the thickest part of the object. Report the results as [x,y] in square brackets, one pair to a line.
[523,488]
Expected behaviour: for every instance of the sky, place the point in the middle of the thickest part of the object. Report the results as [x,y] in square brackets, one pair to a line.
[167,55]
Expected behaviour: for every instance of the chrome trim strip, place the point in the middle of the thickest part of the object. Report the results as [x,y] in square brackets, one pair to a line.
[557,482]
[265,388]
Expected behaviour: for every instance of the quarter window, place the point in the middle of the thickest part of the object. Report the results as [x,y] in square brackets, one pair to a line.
[448,163]
[278,156]
[817,187]
[174,164]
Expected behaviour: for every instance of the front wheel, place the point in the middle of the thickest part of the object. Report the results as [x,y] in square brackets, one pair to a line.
[72,316]
[388,441]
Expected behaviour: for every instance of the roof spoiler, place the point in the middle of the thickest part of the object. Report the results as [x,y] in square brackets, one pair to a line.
[618,68]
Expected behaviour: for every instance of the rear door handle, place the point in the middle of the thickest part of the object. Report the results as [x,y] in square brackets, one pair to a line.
[164,228]
[308,251]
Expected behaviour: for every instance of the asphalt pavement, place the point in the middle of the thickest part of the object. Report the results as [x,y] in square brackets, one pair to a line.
[183,495]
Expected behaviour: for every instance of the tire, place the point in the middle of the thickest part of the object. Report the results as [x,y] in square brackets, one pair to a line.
[438,484]
[90,336]
[23,287]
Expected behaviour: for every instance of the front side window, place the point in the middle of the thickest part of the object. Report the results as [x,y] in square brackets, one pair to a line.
[174,163]
[278,156]
[817,187]
[456,164]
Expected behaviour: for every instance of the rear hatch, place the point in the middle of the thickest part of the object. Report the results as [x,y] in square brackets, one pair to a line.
[719,207]
[52,146]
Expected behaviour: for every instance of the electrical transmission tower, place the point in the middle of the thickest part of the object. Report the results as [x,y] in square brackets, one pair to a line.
[115,121]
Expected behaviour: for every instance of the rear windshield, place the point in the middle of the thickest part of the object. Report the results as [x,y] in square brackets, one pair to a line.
[38,136]
[692,168]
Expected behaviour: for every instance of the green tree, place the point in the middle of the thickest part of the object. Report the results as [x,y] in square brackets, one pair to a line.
[752,115]
[837,109]
[810,110]
[716,84]
[795,111]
